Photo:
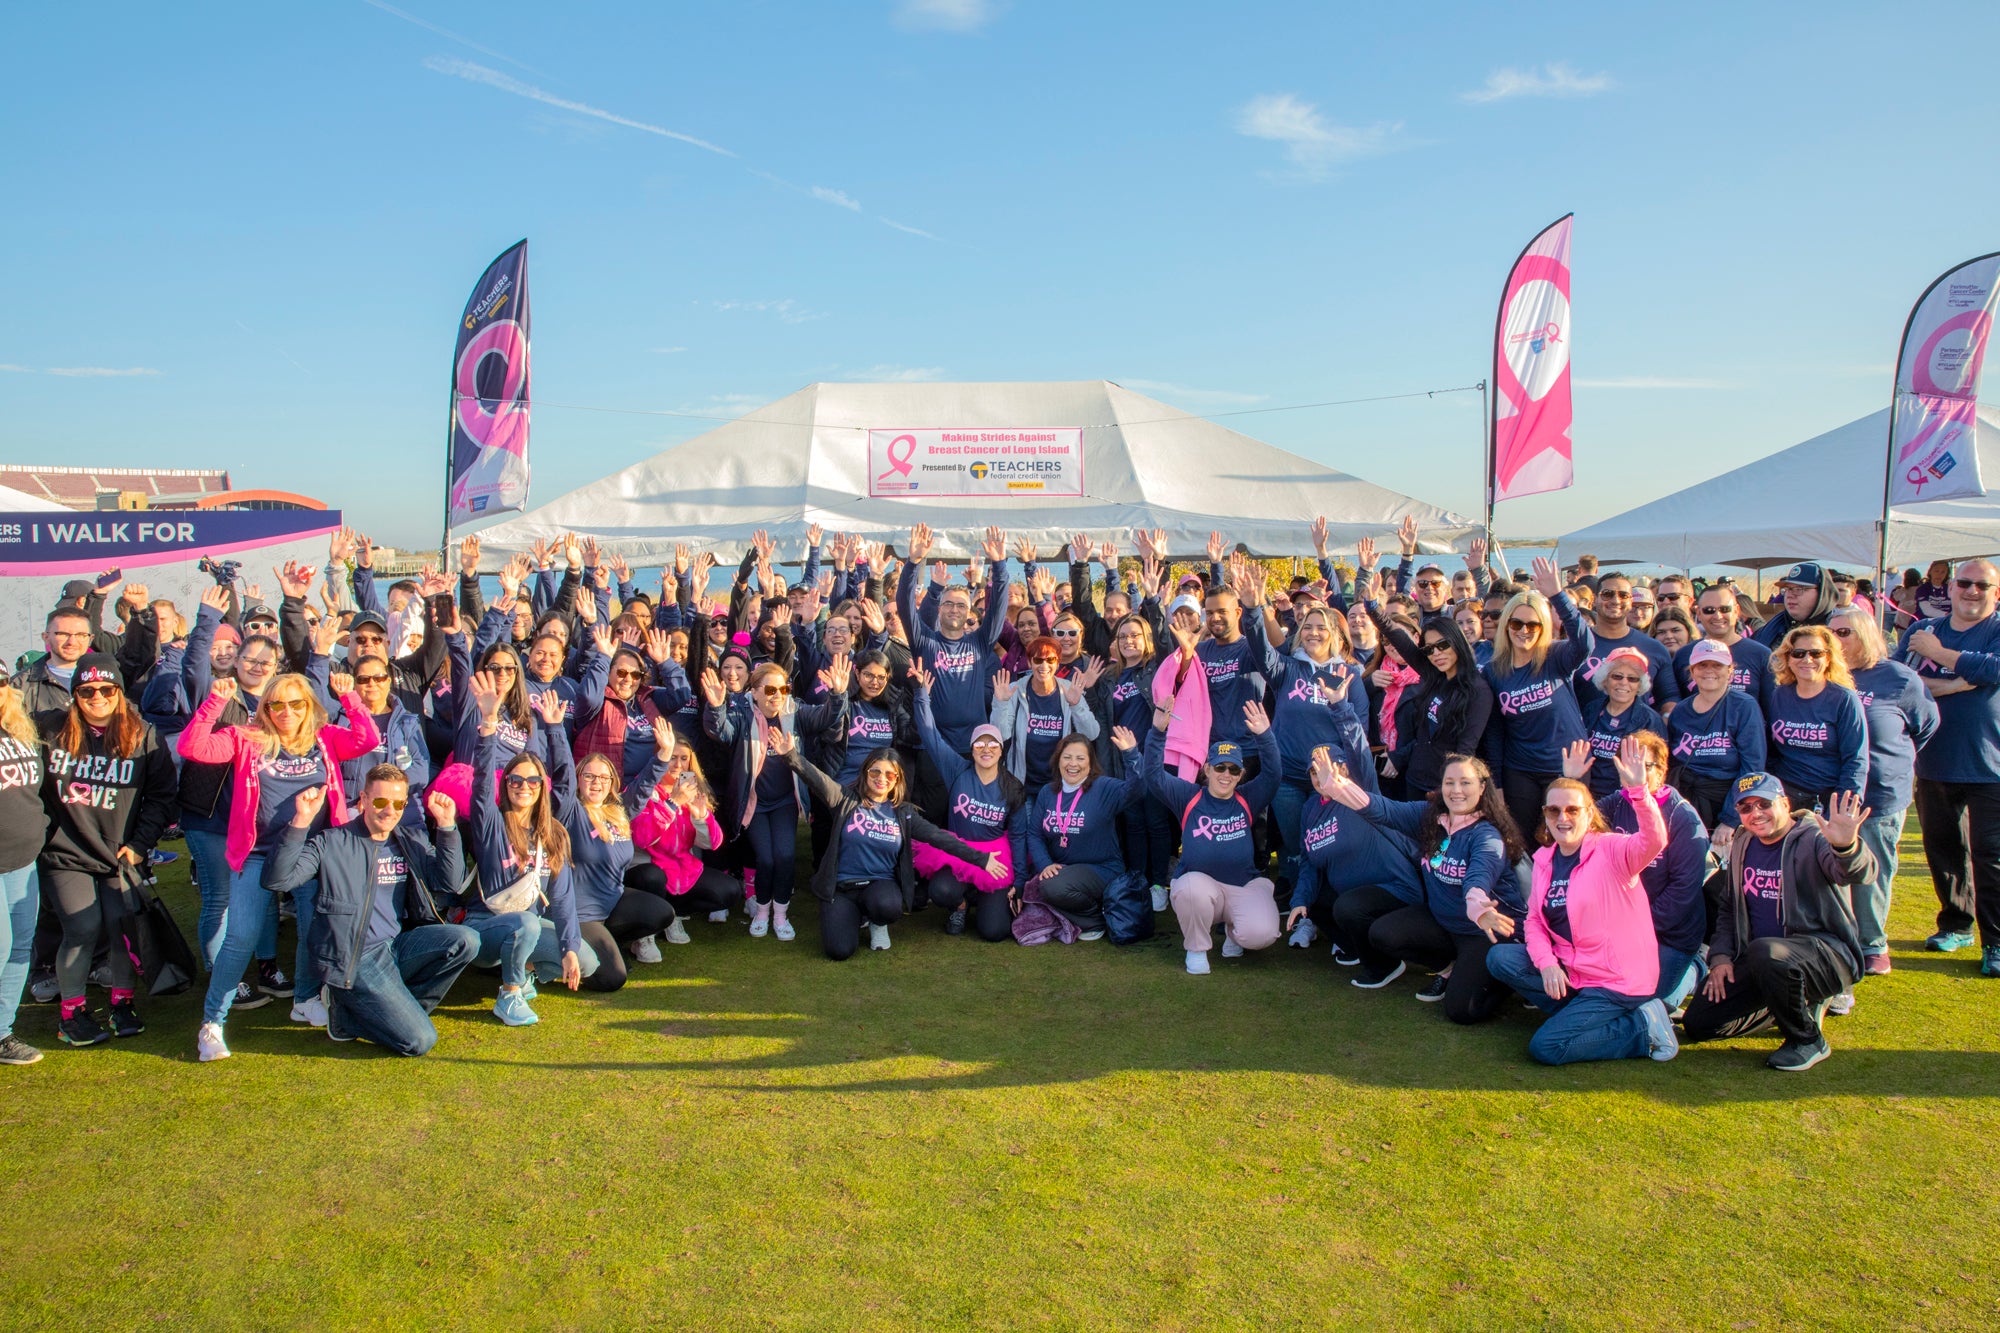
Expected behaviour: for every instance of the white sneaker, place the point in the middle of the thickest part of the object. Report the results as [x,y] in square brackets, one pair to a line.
[1090,936]
[311,1011]
[760,922]
[677,932]
[648,949]
[781,924]
[1841,1005]
[717,917]
[208,1043]
[878,936]
[1197,962]
[1160,899]
[1230,948]
[1304,933]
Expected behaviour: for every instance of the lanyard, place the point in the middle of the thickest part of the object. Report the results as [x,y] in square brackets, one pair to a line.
[1063,817]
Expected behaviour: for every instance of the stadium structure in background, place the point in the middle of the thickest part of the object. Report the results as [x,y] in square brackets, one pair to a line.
[92,489]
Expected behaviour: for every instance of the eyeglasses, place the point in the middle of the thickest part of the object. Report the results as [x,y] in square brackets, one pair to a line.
[1670,597]
[376,679]
[1066,634]
[384,803]
[1558,811]
[1231,769]
[1436,646]
[1972,585]
[1430,583]
[986,742]
[1606,595]
[499,670]
[883,772]
[94,691]
[67,634]
[593,775]
[523,780]
[1524,626]
[1620,678]
[1753,803]
[1489,615]
[1803,654]
[363,637]
[287,705]
[776,691]
[1044,661]
[1841,633]
[628,675]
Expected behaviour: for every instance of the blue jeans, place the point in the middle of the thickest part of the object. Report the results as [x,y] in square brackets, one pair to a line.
[1590,1024]
[508,939]
[1289,807]
[252,915]
[212,875]
[1680,973]
[1882,833]
[20,902]
[398,984]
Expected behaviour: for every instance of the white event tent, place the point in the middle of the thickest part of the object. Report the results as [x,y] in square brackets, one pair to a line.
[804,460]
[21,502]
[1818,500]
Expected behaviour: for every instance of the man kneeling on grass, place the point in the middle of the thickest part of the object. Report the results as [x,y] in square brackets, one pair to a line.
[383,978]
[1785,941]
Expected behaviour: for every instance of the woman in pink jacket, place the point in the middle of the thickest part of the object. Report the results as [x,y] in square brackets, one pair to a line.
[287,747]
[676,826]
[1589,958]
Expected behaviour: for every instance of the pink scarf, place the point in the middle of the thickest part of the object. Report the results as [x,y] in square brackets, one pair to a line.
[1187,729]
[1405,677]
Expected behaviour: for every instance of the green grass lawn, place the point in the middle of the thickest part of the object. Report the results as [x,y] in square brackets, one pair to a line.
[959,1135]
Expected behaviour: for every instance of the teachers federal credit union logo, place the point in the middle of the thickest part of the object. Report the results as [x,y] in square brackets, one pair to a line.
[979,471]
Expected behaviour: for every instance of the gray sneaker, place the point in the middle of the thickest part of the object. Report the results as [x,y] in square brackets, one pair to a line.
[1798,1056]
[1661,1043]
[14,1051]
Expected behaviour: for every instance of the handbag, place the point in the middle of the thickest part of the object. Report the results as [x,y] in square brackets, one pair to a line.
[165,960]
[523,895]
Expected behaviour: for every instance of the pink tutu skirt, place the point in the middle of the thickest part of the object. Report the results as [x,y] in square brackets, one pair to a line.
[929,860]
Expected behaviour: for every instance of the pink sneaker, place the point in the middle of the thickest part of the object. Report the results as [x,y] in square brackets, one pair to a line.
[1878,965]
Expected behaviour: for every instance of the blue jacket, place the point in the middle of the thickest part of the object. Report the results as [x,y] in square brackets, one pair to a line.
[1475,857]
[1673,880]
[1342,849]
[498,867]
[402,744]
[342,859]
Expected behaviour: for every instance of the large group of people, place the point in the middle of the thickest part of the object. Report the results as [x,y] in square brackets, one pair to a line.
[1643,807]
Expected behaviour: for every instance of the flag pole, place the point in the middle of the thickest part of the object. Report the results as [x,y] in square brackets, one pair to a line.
[1486,428]
[450,433]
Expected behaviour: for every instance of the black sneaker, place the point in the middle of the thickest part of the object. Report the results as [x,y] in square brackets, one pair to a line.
[1797,1056]
[955,923]
[125,1020]
[80,1029]
[1373,980]
[249,997]
[1434,992]
[14,1051]
[335,1030]
[1343,958]
[272,980]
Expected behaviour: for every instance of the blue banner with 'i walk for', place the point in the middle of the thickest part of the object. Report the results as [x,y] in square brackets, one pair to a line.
[489,394]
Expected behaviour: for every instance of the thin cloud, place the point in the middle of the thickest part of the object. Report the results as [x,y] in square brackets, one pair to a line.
[507,83]
[1651,382]
[899,226]
[447,33]
[99,372]
[1313,146]
[950,15]
[834,197]
[16,370]
[787,310]
[1557,80]
[669,351]
[896,375]
[1196,397]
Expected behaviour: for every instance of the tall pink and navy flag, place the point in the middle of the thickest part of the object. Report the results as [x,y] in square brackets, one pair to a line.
[1932,453]
[489,394]
[1531,403]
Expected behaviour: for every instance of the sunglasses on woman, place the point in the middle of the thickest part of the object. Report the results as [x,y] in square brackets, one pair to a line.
[1804,654]
[286,705]
[1233,770]
[776,691]
[1045,661]
[628,674]
[1436,646]
[1525,626]
[1558,811]
[94,691]
[523,780]
[377,679]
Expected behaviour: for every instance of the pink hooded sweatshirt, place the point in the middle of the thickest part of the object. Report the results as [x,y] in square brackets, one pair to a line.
[1610,917]
[666,832]
[240,748]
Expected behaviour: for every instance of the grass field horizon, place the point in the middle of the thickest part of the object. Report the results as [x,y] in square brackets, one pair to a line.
[960,1135]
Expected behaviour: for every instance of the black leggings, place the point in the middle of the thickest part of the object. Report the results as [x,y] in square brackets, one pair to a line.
[1148,828]
[92,909]
[636,915]
[1387,930]
[1078,893]
[879,902]
[992,921]
[773,836]
[715,891]
[1524,794]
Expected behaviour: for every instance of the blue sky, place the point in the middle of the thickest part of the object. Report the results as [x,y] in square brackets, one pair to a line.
[264,219]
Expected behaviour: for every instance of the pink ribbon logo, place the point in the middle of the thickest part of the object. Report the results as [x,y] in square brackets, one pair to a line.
[899,463]
[1202,827]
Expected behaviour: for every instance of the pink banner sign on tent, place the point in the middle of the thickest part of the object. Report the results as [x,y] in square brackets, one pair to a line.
[1531,403]
[1931,453]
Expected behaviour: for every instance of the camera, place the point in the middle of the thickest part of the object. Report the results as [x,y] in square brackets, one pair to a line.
[222,571]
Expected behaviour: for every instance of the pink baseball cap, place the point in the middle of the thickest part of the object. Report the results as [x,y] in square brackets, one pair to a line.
[987,731]
[1708,650]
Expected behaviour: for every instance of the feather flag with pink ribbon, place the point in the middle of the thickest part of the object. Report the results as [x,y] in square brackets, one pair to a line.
[1531,402]
[489,394]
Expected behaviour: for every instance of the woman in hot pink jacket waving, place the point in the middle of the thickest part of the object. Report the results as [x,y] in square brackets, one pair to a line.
[674,828]
[1590,959]
[286,748]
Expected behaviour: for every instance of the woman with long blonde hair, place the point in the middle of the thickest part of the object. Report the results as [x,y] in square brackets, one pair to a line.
[1535,710]
[286,747]
[1819,733]
[24,826]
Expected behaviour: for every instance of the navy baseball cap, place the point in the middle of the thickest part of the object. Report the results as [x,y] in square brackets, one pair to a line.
[1805,573]
[1752,785]
[1226,752]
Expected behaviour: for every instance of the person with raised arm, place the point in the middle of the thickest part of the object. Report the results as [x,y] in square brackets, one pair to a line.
[1785,942]
[1074,853]
[1219,881]
[1536,710]
[988,811]
[379,934]
[1341,851]
[673,829]
[1468,847]
[1454,701]
[1125,697]
[1588,958]
[1037,714]
[868,874]
[961,657]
